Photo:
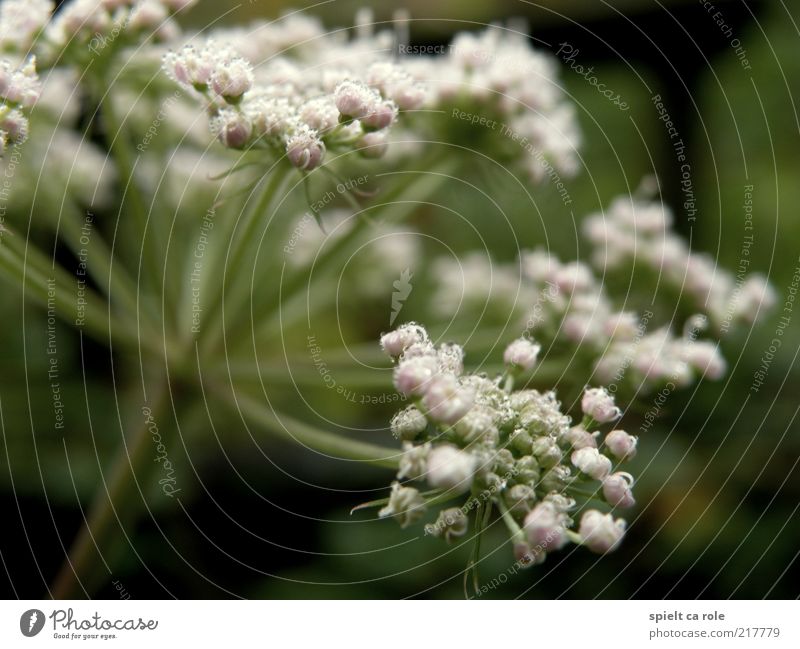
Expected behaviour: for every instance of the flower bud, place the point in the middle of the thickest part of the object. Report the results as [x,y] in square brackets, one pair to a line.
[406,504]
[578,437]
[589,461]
[408,96]
[556,479]
[451,524]
[413,461]
[412,376]
[521,441]
[705,357]
[476,424]
[373,144]
[451,358]
[396,342]
[446,400]
[232,129]
[305,150]
[621,445]
[599,405]
[520,498]
[600,532]
[617,490]
[522,355]
[450,468]
[355,100]
[232,79]
[526,469]
[14,126]
[408,423]
[546,451]
[382,115]
[190,66]
[545,528]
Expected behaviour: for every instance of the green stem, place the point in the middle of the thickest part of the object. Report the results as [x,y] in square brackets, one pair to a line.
[396,205]
[239,236]
[99,263]
[113,502]
[517,535]
[123,158]
[296,431]
[26,266]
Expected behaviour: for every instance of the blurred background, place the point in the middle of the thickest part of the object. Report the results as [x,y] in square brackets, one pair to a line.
[718,490]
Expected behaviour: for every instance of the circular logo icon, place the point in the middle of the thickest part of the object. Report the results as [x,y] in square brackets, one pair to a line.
[31,622]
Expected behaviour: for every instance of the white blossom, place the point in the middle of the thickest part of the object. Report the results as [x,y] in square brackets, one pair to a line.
[600,532]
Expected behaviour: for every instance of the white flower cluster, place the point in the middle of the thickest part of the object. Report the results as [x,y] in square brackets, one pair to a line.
[497,76]
[20,23]
[636,231]
[516,450]
[97,23]
[280,106]
[306,92]
[567,305]
[579,311]
[19,90]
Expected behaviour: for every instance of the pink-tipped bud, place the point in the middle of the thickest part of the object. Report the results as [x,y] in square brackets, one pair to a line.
[413,375]
[591,462]
[450,468]
[600,532]
[621,445]
[380,116]
[578,437]
[398,341]
[233,129]
[446,401]
[232,79]
[544,528]
[305,150]
[617,490]
[373,144]
[355,100]
[599,405]
[522,354]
